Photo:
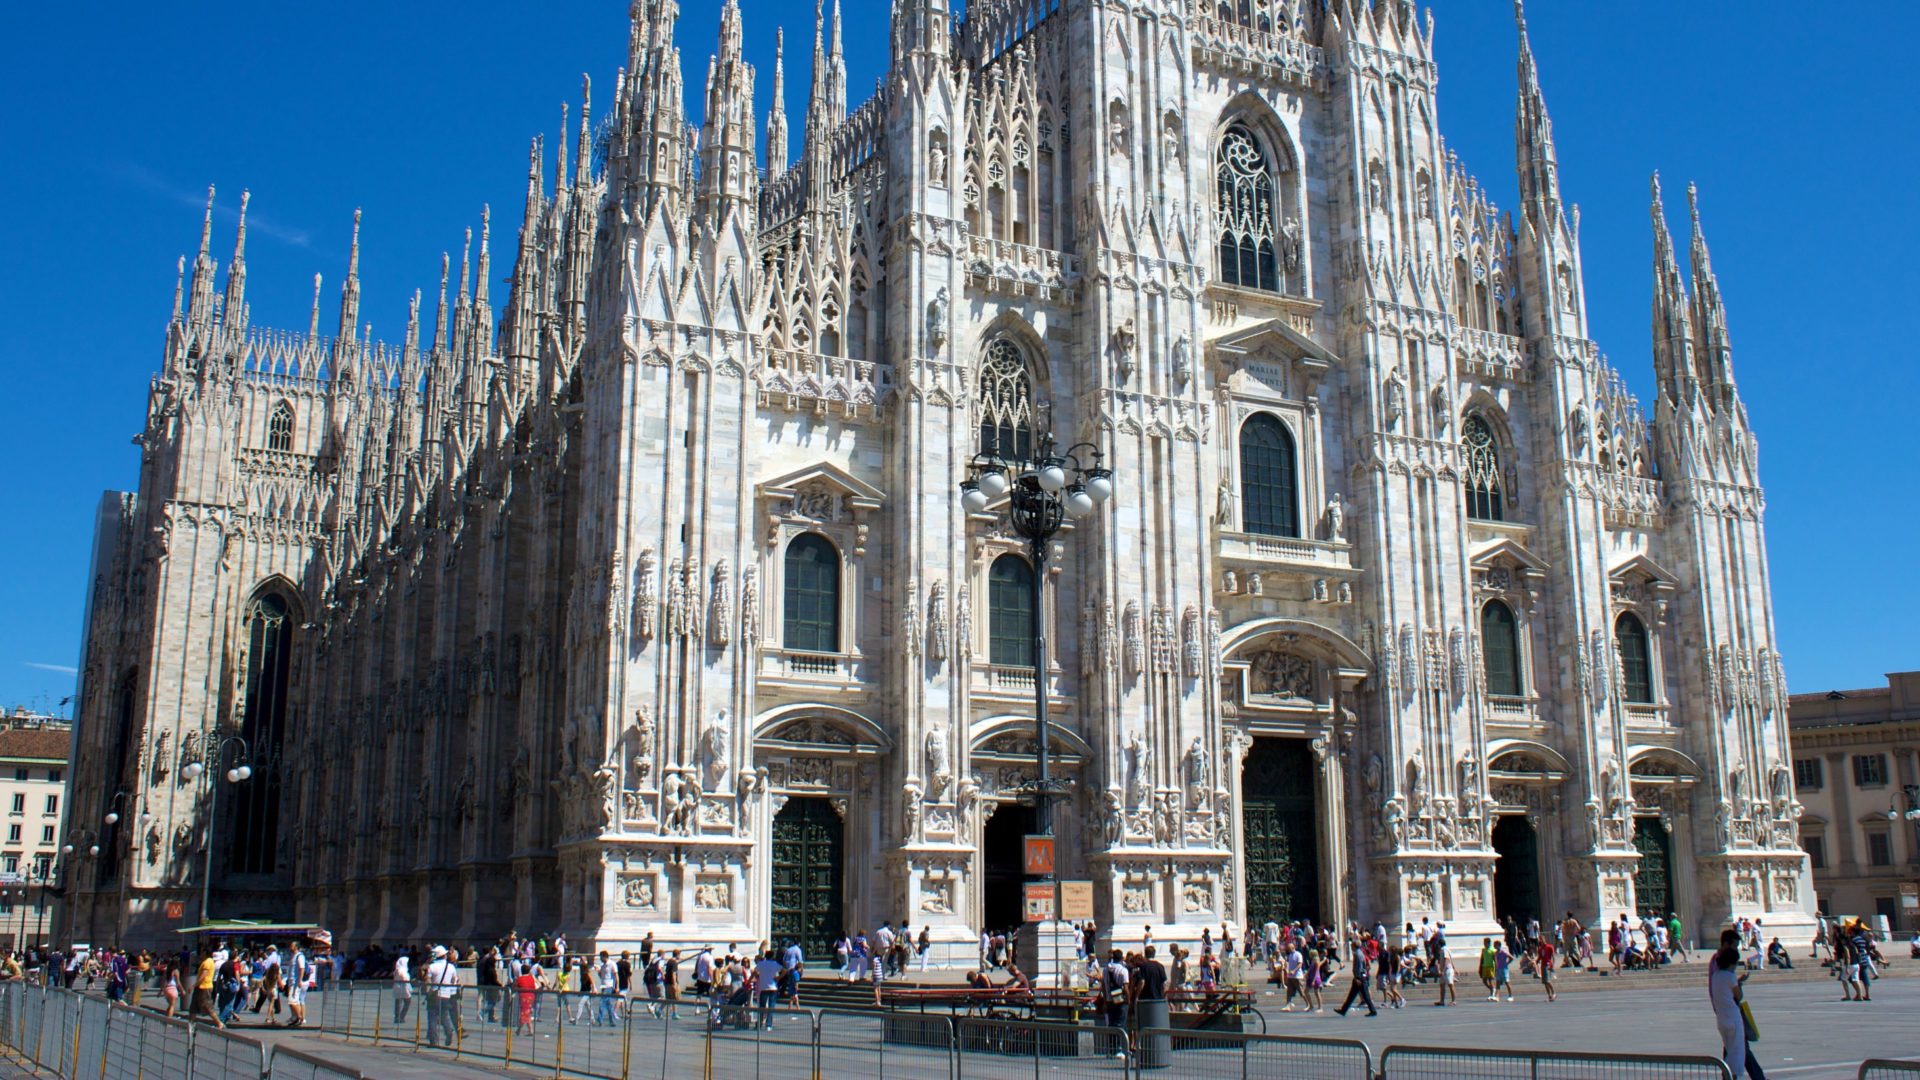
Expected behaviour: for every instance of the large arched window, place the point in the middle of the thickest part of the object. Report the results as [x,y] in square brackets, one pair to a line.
[280,427]
[1486,488]
[254,828]
[1006,402]
[811,609]
[1268,485]
[1243,213]
[1010,614]
[1636,659]
[1500,638]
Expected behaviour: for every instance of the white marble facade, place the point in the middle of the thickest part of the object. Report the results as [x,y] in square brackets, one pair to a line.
[515,597]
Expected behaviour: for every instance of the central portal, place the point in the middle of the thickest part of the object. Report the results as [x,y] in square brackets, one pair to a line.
[1516,877]
[1278,808]
[1002,851]
[808,858]
[1653,881]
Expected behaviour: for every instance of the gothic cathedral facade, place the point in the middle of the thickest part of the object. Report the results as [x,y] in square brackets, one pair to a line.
[649,604]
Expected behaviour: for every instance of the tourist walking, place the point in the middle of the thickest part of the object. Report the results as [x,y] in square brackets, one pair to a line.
[1358,987]
[1725,983]
[1448,995]
[443,989]
[1545,963]
[402,988]
[203,991]
[1502,972]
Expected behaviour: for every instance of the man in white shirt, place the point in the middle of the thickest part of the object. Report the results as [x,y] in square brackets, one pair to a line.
[883,953]
[1270,934]
[443,988]
[606,983]
[297,983]
[703,972]
[766,986]
[402,988]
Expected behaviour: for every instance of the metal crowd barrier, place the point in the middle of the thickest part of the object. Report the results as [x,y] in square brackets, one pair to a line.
[74,1036]
[78,1037]
[1886,1069]
[1205,1055]
[1437,1063]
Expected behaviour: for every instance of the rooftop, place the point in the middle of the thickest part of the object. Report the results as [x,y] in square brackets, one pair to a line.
[37,744]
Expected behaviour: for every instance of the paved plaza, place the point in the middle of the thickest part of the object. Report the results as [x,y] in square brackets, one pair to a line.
[1808,1034]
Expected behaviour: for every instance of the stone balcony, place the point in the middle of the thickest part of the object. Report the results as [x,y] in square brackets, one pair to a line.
[1281,564]
[816,672]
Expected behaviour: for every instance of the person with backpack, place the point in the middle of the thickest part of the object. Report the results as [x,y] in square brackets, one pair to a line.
[301,981]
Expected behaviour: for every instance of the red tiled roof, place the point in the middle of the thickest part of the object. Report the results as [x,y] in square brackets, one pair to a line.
[37,743]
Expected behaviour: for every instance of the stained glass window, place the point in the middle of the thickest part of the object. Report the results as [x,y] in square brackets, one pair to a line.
[1243,213]
[1267,478]
[1486,490]
[1006,402]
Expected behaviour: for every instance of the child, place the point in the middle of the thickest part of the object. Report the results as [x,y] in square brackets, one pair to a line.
[1502,972]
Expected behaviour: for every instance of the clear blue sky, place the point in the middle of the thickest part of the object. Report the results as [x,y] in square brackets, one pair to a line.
[1798,128]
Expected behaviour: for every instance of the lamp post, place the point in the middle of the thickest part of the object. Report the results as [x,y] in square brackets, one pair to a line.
[1043,492]
[238,773]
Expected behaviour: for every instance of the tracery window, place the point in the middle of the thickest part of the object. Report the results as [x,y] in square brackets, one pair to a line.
[1486,488]
[810,612]
[280,427]
[1010,614]
[1268,485]
[255,825]
[1243,213]
[1636,659]
[1006,402]
[1500,641]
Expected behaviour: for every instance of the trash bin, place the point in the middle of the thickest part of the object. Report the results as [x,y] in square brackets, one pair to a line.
[1155,1050]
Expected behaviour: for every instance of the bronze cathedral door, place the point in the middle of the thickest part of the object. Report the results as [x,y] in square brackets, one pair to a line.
[1277,827]
[808,856]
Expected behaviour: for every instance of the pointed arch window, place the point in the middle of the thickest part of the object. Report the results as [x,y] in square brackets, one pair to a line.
[1269,486]
[1243,212]
[1006,402]
[1010,614]
[280,427]
[254,828]
[1500,640]
[1636,659]
[1486,488]
[810,610]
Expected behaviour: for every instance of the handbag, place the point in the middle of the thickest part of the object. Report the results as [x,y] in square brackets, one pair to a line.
[1746,1015]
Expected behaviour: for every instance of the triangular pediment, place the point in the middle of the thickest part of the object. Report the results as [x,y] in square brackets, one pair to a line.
[859,493]
[1639,565]
[1507,550]
[1274,337]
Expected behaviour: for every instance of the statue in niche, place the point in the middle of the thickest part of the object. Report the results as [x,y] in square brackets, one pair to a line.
[1290,245]
[937,160]
[1182,360]
[937,321]
[939,762]
[713,748]
[1198,774]
[1395,394]
[640,747]
[1336,520]
[1139,758]
[1437,401]
[1223,503]
[1122,344]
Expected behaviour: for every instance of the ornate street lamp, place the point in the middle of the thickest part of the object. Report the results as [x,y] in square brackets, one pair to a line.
[1044,492]
[239,772]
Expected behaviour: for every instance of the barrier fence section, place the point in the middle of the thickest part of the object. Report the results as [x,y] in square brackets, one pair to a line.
[1437,1063]
[287,1063]
[991,1049]
[88,1038]
[1206,1055]
[1885,1069]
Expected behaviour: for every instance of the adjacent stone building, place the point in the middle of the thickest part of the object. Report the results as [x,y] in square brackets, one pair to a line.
[1857,766]
[645,600]
[33,796]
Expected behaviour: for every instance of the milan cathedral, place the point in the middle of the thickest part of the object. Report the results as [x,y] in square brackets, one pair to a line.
[645,601]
